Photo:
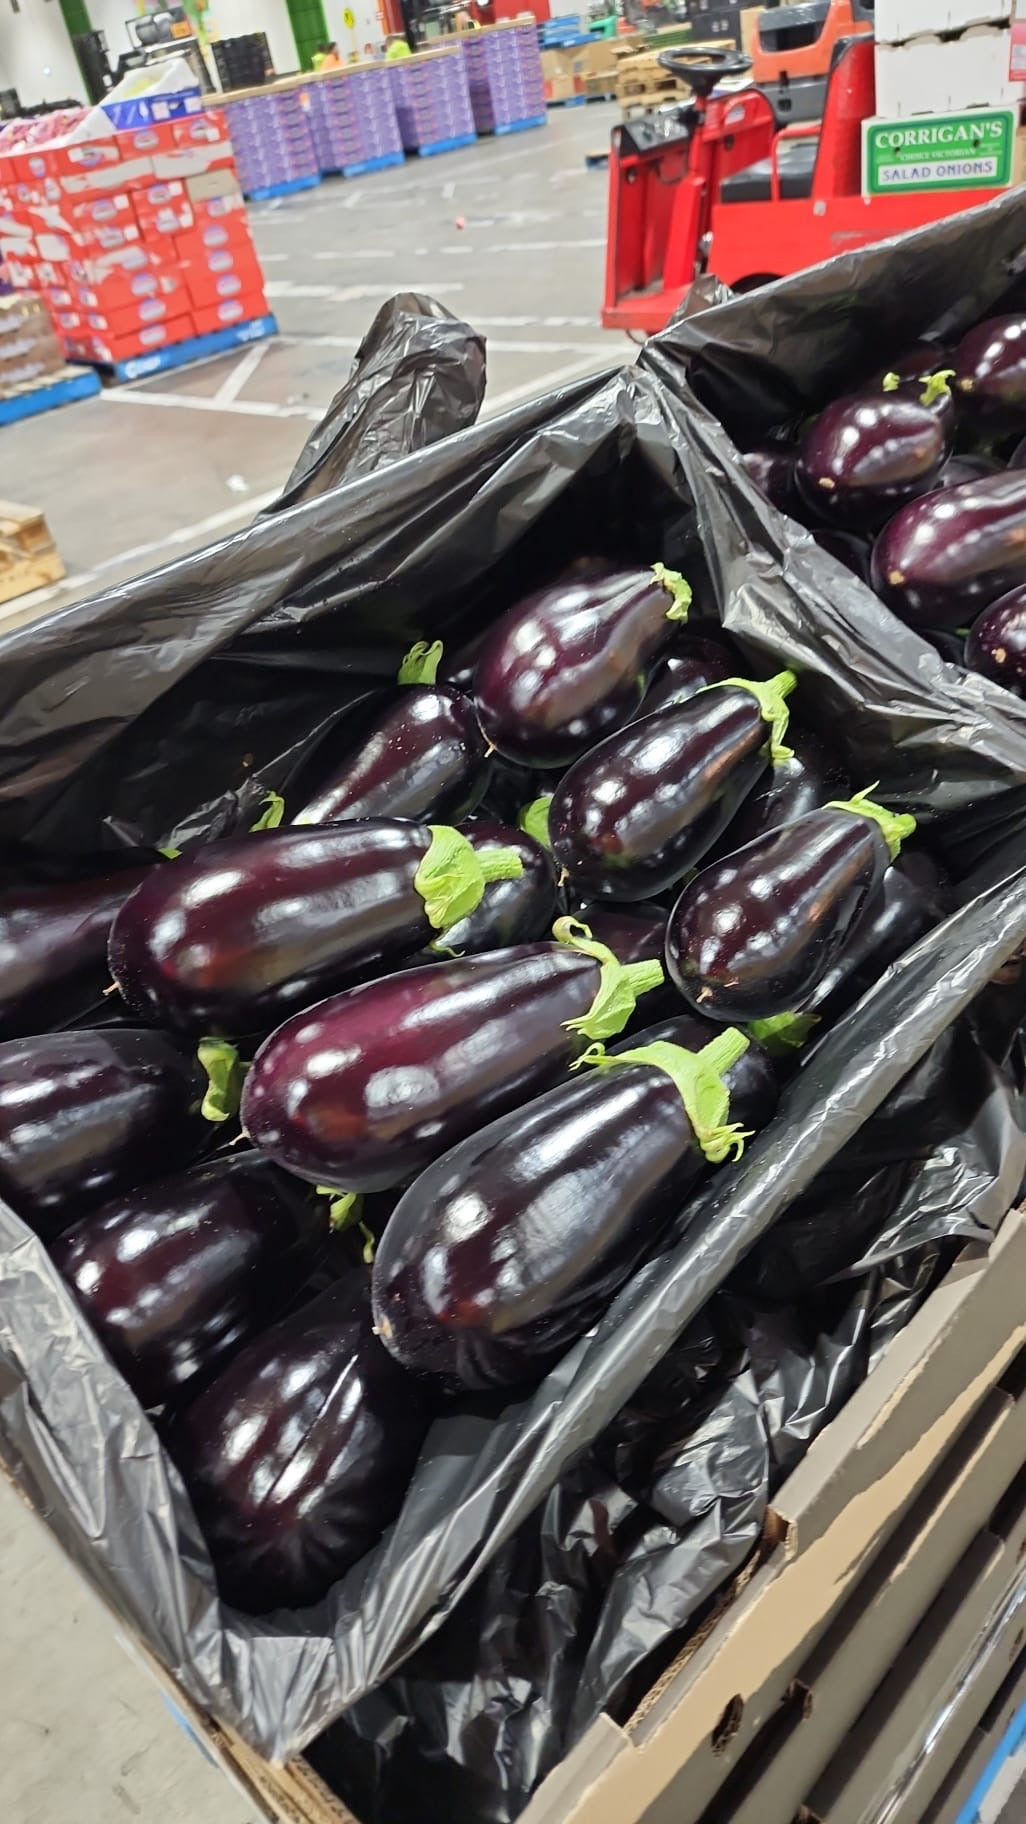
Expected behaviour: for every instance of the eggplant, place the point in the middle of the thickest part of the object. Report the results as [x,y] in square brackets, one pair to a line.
[693,665]
[367,1088]
[942,560]
[632,933]
[510,1247]
[924,380]
[772,469]
[235,937]
[176,1276]
[751,937]
[297,1457]
[864,457]
[753,1081]
[959,469]
[645,805]
[515,911]
[425,757]
[908,903]
[990,374]
[53,948]
[571,663]
[804,779]
[87,1115]
[997,641]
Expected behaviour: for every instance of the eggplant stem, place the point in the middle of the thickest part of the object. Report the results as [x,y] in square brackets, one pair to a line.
[620,984]
[452,876]
[111,990]
[343,1207]
[272,814]
[534,820]
[678,588]
[771,694]
[895,826]
[420,665]
[225,1075]
[699,1079]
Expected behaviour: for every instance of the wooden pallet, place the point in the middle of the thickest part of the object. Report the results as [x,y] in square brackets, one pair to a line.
[28,556]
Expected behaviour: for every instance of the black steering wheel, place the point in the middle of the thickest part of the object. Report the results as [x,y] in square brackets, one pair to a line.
[702,70]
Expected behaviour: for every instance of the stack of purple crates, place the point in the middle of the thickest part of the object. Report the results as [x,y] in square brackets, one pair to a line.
[272,142]
[507,89]
[353,121]
[432,101]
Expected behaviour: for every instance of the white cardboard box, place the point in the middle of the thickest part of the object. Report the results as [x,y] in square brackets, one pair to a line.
[898,20]
[934,75]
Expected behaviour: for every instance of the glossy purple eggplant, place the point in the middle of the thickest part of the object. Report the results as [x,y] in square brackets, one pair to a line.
[808,777]
[297,1457]
[633,933]
[772,469]
[692,666]
[53,949]
[959,469]
[645,805]
[924,378]
[942,560]
[864,457]
[175,1277]
[908,903]
[752,936]
[509,1248]
[367,1088]
[997,642]
[85,1116]
[754,1080]
[240,934]
[571,663]
[518,911]
[990,373]
[424,757]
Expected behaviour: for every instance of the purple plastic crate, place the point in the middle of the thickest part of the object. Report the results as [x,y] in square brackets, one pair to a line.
[505,75]
[432,99]
[353,119]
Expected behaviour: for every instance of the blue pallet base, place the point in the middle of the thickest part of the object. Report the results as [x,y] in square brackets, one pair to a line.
[519,126]
[194,348]
[373,164]
[445,145]
[572,101]
[289,189]
[46,398]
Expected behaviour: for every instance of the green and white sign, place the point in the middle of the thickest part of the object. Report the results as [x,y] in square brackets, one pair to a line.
[939,152]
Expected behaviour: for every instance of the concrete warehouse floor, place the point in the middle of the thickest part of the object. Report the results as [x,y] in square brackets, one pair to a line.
[148,471]
[145,473]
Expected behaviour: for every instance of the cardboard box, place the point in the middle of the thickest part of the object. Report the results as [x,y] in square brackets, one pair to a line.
[948,1806]
[91,346]
[207,129]
[223,232]
[118,290]
[241,308]
[114,209]
[932,75]
[218,187]
[129,318]
[895,21]
[173,217]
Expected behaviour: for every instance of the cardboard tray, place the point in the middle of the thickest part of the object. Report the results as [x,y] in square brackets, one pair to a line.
[942,1390]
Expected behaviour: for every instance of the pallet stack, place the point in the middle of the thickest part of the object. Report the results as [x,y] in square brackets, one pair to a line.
[138,241]
[504,74]
[353,120]
[432,101]
[271,140]
[944,56]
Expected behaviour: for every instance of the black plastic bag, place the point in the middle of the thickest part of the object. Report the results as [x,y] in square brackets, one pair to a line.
[218,673]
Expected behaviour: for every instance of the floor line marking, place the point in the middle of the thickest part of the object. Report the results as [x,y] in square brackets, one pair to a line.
[190,402]
[243,372]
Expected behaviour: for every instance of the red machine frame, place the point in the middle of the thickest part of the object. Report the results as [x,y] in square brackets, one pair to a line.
[668,224]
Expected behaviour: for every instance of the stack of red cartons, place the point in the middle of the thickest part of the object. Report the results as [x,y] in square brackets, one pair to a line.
[138,240]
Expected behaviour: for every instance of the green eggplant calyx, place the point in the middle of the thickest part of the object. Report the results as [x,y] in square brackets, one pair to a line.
[225,1074]
[678,588]
[891,383]
[271,815]
[896,826]
[169,854]
[771,694]
[344,1207]
[420,666]
[620,984]
[534,820]
[369,1244]
[937,386]
[698,1077]
[783,1032]
[452,877]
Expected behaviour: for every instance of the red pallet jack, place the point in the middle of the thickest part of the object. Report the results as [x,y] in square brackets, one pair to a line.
[713,186]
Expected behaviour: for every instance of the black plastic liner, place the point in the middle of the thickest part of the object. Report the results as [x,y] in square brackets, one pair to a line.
[219,675]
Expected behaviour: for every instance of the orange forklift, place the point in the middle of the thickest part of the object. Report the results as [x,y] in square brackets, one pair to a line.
[717,185]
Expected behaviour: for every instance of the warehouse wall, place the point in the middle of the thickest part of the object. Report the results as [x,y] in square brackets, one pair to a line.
[235,17]
[367,30]
[36,57]
[109,16]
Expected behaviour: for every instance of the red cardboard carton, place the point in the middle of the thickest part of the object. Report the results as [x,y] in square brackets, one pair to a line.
[227,311]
